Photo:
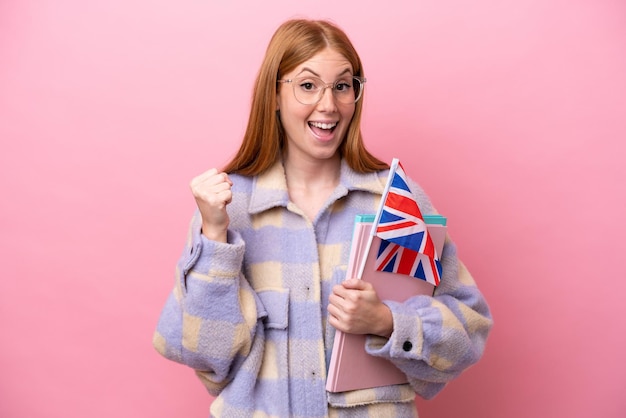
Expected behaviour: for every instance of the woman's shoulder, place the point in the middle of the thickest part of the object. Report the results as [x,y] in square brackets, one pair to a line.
[241,183]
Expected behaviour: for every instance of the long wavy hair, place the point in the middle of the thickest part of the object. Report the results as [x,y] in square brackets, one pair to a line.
[294,42]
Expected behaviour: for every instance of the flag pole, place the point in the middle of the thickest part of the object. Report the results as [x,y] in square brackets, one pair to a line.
[381,205]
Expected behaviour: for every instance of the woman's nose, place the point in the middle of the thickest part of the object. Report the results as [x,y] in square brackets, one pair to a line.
[327,101]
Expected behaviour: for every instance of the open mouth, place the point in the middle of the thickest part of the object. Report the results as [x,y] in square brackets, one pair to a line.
[322,128]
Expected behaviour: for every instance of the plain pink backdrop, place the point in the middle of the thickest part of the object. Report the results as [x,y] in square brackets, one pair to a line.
[511,115]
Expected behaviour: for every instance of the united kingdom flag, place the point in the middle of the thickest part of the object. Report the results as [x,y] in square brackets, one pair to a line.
[406,247]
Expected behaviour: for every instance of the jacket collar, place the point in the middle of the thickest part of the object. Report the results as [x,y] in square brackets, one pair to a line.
[269,189]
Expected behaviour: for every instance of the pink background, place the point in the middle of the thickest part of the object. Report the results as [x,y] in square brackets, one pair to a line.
[512,115]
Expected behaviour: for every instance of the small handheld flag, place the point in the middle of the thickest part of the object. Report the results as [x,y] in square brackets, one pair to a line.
[406,247]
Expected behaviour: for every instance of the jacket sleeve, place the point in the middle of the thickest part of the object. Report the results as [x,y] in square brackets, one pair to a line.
[209,321]
[436,338]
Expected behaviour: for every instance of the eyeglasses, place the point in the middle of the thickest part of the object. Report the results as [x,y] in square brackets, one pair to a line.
[310,90]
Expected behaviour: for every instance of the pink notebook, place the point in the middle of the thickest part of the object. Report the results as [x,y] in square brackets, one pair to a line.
[350,366]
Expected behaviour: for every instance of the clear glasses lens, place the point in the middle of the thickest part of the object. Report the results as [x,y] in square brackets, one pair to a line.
[309,90]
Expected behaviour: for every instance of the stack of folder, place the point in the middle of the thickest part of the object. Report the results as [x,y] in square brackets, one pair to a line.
[350,366]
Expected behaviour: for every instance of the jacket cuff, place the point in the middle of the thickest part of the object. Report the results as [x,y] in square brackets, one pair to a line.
[212,258]
[406,340]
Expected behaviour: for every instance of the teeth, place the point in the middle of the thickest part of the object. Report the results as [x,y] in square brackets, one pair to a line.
[324,125]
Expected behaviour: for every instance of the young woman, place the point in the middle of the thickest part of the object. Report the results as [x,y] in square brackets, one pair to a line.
[261,287]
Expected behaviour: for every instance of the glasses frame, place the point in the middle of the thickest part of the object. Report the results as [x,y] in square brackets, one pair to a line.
[323,88]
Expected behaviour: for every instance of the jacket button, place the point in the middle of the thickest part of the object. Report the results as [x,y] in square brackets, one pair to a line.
[407,346]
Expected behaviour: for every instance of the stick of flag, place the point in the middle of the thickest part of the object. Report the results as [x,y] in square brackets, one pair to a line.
[406,248]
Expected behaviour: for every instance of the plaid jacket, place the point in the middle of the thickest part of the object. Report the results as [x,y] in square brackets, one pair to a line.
[250,315]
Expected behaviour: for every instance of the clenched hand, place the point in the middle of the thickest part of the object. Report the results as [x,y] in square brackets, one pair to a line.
[212,191]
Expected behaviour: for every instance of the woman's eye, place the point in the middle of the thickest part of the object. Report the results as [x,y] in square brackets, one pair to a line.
[343,86]
[307,86]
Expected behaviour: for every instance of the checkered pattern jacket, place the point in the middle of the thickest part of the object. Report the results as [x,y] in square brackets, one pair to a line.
[249,316]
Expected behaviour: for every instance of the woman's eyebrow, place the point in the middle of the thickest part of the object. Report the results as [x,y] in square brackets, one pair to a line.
[347,70]
[309,70]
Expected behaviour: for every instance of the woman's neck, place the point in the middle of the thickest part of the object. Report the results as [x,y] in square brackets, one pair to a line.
[312,174]
[310,184]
